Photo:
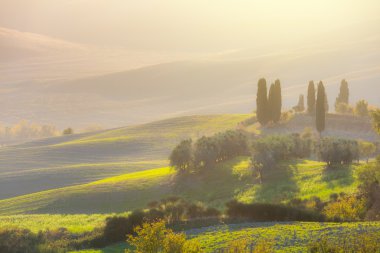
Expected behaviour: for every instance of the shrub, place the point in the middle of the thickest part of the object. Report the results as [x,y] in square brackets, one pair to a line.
[156,238]
[348,208]
[269,212]
[19,241]
[117,228]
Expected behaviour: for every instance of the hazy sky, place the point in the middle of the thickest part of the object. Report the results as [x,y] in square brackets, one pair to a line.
[184,25]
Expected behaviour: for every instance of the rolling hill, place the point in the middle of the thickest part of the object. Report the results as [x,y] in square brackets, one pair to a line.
[102,172]
[207,84]
[82,158]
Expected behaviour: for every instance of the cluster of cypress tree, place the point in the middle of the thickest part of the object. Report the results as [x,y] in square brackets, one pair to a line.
[268,105]
[318,105]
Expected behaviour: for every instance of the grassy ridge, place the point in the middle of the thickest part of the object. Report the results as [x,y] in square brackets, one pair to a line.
[75,223]
[232,179]
[77,159]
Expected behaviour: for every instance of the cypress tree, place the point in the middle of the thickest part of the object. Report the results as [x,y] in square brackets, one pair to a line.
[271,106]
[344,94]
[278,101]
[327,107]
[300,107]
[311,98]
[320,108]
[262,102]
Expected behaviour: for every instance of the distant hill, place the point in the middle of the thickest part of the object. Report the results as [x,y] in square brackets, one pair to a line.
[208,84]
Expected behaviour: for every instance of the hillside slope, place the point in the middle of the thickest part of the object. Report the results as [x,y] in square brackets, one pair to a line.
[232,179]
[77,159]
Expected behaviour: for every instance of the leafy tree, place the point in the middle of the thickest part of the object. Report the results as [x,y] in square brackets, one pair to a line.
[206,153]
[361,108]
[300,107]
[367,149]
[277,102]
[338,151]
[262,102]
[311,98]
[182,156]
[320,108]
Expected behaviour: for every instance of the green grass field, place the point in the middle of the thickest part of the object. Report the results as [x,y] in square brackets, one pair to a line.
[288,237]
[298,179]
[75,223]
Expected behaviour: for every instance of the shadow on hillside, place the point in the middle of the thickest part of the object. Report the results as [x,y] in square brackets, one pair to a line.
[338,176]
[278,185]
[214,187]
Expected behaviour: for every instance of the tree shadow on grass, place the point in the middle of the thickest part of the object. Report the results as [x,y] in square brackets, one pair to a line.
[214,186]
[278,185]
[341,175]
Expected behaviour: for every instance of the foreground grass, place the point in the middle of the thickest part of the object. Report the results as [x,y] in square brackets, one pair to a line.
[288,237]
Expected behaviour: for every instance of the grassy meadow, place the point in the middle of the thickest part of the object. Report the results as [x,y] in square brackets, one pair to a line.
[289,237]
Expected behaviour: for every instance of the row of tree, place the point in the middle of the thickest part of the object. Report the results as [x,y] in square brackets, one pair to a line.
[268,104]
[206,152]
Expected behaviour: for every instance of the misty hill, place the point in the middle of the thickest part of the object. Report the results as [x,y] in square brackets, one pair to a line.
[217,83]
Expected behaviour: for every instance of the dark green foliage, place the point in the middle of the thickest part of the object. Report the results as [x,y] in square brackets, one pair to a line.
[338,151]
[269,212]
[321,108]
[284,147]
[117,227]
[311,98]
[175,209]
[182,156]
[262,102]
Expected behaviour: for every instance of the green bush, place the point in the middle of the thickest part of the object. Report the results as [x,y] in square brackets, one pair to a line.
[270,212]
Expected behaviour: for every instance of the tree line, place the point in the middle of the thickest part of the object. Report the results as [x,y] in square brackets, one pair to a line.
[206,152]
[269,104]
